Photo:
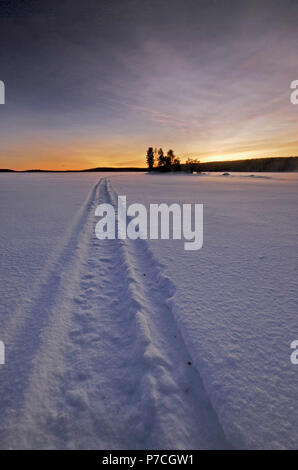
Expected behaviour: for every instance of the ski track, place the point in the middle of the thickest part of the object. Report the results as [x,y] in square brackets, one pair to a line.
[99,361]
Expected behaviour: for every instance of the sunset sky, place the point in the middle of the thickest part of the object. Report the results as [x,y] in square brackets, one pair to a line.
[95,82]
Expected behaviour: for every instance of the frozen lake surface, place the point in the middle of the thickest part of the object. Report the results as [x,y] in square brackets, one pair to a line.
[141,344]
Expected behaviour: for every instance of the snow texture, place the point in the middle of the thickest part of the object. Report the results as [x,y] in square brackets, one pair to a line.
[124,344]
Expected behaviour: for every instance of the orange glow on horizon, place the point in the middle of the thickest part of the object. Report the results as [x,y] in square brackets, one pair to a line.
[61,157]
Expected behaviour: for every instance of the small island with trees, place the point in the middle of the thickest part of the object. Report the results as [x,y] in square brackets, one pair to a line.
[157,160]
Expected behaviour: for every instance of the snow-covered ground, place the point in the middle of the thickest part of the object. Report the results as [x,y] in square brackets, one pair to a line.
[141,344]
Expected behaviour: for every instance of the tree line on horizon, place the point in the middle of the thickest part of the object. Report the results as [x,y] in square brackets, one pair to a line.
[157,160]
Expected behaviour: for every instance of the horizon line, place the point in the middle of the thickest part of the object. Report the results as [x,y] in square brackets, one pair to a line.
[136,168]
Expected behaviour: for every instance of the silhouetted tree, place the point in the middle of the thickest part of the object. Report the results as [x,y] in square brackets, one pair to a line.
[176,164]
[150,158]
[165,163]
[192,165]
[161,160]
[196,166]
[169,160]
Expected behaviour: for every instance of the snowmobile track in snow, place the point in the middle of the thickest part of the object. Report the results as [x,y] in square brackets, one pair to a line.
[98,360]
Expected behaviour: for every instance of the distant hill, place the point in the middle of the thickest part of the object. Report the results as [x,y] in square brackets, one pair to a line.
[102,169]
[254,164]
[99,169]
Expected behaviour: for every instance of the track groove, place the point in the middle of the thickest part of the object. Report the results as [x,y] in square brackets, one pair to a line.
[107,366]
